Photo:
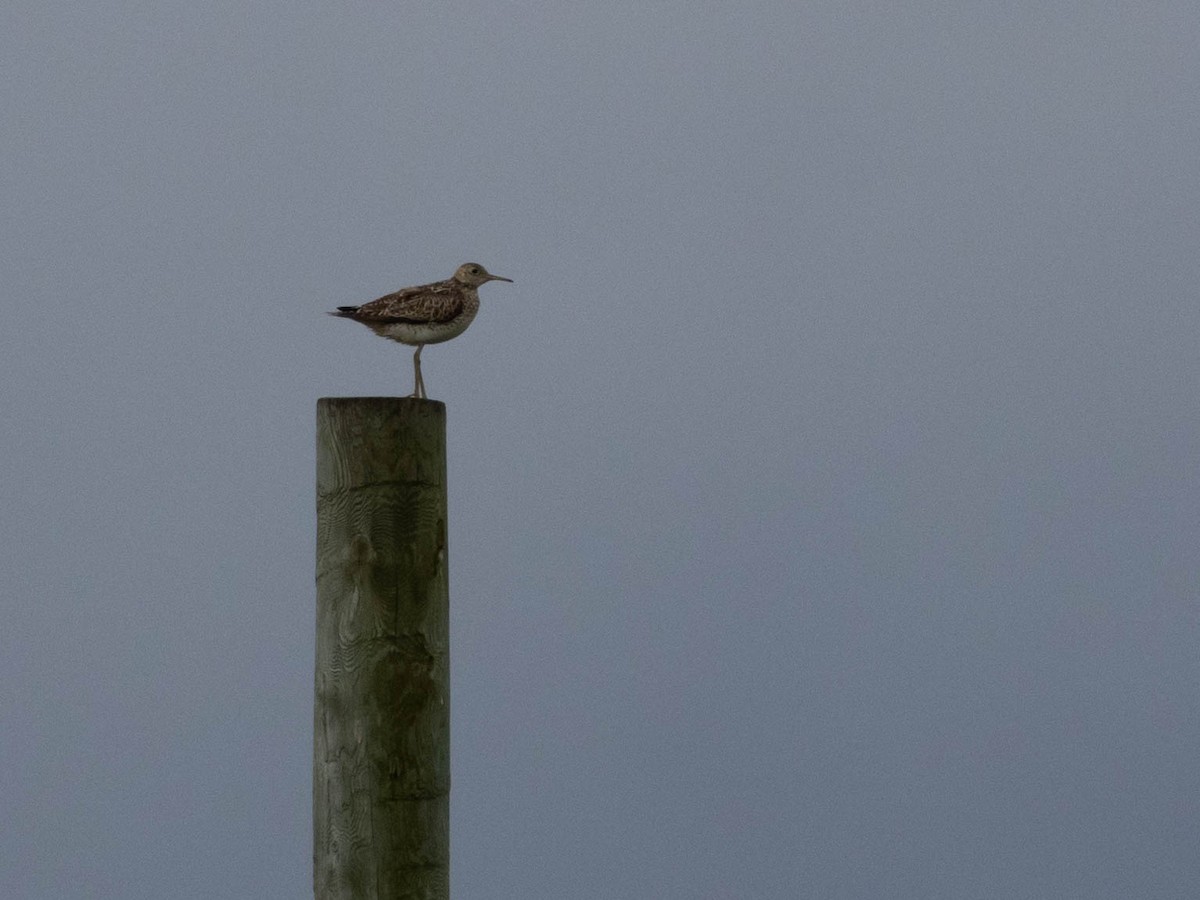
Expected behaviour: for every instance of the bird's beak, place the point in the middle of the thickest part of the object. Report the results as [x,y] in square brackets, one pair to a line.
[499,278]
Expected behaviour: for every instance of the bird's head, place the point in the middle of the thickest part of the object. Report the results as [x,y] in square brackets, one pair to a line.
[473,275]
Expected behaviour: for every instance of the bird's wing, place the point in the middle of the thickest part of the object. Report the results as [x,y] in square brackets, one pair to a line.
[438,302]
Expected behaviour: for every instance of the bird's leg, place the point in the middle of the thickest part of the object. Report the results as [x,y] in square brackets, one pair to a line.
[418,381]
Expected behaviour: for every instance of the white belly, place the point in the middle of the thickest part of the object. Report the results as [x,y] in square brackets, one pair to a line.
[413,333]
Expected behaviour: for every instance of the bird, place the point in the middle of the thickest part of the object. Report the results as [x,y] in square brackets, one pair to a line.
[425,314]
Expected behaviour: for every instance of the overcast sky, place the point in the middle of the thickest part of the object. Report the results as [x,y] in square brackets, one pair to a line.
[823,492]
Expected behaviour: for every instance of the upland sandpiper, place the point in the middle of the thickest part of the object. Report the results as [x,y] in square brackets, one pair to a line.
[425,314]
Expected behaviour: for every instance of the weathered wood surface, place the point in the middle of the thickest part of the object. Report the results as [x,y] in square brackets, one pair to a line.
[381,751]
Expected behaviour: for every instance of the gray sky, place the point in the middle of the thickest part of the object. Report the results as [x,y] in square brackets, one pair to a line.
[823,493]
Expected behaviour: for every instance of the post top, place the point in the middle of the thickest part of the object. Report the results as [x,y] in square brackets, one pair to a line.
[378,440]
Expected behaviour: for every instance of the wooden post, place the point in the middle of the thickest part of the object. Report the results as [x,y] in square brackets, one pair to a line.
[381,748]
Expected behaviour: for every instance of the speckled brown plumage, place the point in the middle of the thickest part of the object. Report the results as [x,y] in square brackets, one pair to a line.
[425,314]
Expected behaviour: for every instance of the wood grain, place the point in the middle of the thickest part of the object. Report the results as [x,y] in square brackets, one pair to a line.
[381,750]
